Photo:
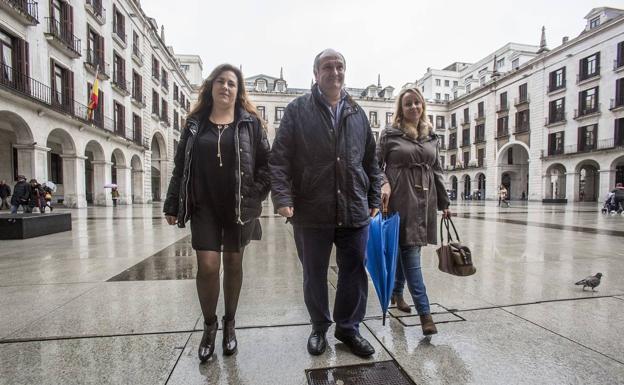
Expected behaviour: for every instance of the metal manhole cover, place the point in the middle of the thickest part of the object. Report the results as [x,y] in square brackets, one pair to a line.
[377,373]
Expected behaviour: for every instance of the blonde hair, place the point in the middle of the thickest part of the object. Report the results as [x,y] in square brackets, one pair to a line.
[423,127]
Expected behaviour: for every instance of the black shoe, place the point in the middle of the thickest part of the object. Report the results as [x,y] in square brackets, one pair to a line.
[229,337]
[358,344]
[207,344]
[317,343]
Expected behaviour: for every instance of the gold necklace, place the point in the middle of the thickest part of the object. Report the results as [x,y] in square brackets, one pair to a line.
[220,129]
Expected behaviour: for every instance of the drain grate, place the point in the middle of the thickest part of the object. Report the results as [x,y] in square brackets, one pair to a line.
[377,373]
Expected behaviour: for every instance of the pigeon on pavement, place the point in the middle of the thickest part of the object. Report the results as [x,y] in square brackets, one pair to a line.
[592,281]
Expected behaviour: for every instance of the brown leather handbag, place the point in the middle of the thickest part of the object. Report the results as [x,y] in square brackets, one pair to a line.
[453,257]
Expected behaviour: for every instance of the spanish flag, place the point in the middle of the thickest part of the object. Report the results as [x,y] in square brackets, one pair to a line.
[93,98]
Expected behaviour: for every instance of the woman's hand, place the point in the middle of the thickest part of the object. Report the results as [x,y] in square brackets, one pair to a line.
[385,194]
[171,219]
[446,213]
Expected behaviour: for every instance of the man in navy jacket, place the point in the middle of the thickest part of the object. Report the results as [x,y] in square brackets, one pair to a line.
[326,180]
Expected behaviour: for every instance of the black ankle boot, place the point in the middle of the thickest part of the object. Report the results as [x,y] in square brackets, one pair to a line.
[229,337]
[207,344]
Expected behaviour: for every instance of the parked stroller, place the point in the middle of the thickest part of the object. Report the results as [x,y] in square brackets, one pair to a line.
[610,206]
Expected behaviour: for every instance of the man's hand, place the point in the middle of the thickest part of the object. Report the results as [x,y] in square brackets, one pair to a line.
[446,213]
[373,212]
[286,212]
[385,194]
[171,219]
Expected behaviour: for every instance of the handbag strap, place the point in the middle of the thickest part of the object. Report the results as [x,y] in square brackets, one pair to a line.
[445,222]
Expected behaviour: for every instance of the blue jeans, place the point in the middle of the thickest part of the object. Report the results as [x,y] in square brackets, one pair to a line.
[408,268]
[27,208]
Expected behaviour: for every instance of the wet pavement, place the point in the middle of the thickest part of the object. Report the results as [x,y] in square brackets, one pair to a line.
[114,302]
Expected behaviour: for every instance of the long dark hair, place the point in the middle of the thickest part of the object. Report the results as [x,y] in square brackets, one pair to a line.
[203,107]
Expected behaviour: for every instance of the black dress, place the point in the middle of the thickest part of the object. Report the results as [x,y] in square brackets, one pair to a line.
[213,217]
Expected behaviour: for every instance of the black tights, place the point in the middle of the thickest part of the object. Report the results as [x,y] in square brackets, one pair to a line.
[208,282]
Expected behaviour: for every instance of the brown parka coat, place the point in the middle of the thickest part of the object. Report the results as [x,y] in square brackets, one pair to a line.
[412,167]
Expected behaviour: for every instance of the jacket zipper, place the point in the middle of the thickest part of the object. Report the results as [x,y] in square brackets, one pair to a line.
[240,177]
[188,179]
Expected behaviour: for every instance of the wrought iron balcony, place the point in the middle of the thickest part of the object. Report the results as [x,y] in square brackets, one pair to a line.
[95,9]
[120,84]
[558,117]
[617,103]
[94,64]
[502,107]
[557,87]
[522,100]
[25,11]
[137,55]
[58,35]
[522,128]
[587,111]
[138,99]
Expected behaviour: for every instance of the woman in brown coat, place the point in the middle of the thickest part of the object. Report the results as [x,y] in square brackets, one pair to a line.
[413,186]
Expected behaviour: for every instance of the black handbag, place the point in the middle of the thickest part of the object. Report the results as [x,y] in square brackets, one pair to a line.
[453,257]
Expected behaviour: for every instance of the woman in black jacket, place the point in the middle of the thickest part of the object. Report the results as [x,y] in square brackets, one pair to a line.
[219,181]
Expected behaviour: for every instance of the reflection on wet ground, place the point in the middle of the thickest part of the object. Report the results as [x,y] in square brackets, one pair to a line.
[173,262]
[114,301]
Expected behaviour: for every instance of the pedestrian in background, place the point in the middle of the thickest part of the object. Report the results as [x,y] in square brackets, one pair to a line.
[114,196]
[222,163]
[22,195]
[5,193]
[37,198]
[413,186]
[502,195]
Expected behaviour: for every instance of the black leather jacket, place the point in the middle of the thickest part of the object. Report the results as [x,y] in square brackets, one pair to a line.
[329,176]
[251,171]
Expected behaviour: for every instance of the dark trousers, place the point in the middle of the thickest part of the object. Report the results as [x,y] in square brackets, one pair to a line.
[314,247]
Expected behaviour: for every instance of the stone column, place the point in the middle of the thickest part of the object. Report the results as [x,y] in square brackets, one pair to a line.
[607,183]
[138,188]
[74,181]
[572,186]
[32,161]
[124,182]
[101,176]
[548,193]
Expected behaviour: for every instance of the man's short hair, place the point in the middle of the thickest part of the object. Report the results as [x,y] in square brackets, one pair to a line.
[317,59]
[619,185]
[21,177]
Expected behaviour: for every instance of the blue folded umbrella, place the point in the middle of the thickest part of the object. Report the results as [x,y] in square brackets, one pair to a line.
[381,256]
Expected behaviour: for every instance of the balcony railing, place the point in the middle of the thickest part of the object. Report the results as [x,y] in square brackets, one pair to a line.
[479,117]
[502,132]
[617,102]
[465,142]
[559,117]
[521,128]
[95,63]
[479,139]
[452,146]
[137,136]
[119,35]
[452,126]
[164,83]
[137,55]
[603,144]
[59,32]
[592,76]
[42,94]
[120,84]
[618,63]
[465,123]
[557,87]
[95,8]
[587,111]
[522,100]
[138,98]
[502,107]
[25,10]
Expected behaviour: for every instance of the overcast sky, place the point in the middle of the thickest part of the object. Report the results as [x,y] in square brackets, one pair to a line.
[395,38]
